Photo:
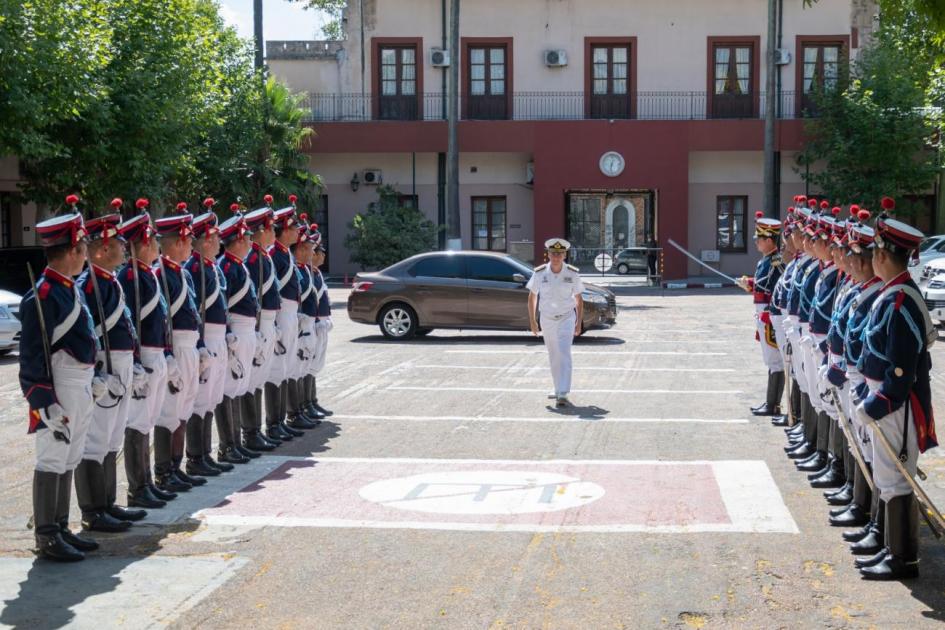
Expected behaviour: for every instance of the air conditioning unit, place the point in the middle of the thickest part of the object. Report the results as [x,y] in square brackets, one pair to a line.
[782,56]
[556,58]
[372,177]
[530,173]
[439,58]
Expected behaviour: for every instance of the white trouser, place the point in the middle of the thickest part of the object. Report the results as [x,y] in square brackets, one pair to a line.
[860,430]
[260,373]
[210,394]
[143,414]
[889,481]
[73,383]
[307,343]
[811,365]
[322,328]
[179,407]
[791,324]
[559,335]
[769,347]
[108,425]
[288,322]
[245,330]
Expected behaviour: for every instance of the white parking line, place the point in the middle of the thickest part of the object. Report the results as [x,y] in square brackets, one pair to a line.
[545,367]
[597,352]
[727,392]
[541,419]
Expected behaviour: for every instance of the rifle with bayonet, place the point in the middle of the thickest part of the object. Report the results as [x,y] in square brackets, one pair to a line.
[100,308]
[168,326]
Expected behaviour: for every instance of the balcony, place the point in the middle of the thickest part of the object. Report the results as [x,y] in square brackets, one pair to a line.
[532,106]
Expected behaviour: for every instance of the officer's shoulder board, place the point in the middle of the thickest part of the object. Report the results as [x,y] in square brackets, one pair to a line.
[44,289]
[573,268]
[541,267]
[777,261]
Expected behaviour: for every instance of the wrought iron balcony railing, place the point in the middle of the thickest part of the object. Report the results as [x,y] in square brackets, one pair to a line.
[356,107]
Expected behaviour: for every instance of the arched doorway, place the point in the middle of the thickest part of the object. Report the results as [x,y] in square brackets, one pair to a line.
[619,224]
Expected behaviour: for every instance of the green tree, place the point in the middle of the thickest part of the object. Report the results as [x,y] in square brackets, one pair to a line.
[876,137]
[389,232]
[332,29]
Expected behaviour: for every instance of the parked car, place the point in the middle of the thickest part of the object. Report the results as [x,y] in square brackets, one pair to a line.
[934,294]
[631,261]
[13,275]
[469,290]
[932,248]
[930,270]
[9,321]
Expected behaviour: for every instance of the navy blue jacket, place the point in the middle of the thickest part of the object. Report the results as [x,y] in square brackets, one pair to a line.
[121,330]
[807,289]
[797,280]
[286,273]
[895,352]
[822,307]
[240,291]
[69,328]
[180,288]
[309,303]
[153,322]
[324,303]
[767,273]
[271,301]
[216,307]
[781,292]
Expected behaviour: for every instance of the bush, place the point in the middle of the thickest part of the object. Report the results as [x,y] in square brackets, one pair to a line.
[389,232]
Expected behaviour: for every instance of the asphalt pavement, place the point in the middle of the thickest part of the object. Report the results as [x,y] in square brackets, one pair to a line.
[447,492]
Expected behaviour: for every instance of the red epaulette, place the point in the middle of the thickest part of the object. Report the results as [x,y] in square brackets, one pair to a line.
[44,289]
[130,274]
[253,258]
[226,266]
[900,298]
[88,286]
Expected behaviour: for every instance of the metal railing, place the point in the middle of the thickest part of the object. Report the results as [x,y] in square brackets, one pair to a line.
[356,107]
[642,262]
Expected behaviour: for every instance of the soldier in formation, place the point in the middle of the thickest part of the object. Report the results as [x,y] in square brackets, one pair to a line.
[856,339]
[146,326]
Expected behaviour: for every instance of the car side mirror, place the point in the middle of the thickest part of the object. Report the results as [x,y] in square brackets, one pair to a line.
[517,277]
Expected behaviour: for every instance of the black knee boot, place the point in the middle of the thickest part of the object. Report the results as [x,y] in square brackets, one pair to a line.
[875,540]
[164,476]
[136,469]
[195,441]
[245,423]
[770,406]
[92,496]
[63,500]
[49,540]
[208,422]
[252,434]
[902,542]
[227,451]
[178,448]
[111,492]
[313,392]
[275,425]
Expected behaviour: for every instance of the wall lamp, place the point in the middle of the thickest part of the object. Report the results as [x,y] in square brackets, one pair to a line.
[355,183]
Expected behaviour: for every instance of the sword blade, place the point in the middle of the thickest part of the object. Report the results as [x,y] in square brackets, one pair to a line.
[693,258]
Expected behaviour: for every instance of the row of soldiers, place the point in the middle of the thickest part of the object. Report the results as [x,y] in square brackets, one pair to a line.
[838,312]
[196,322]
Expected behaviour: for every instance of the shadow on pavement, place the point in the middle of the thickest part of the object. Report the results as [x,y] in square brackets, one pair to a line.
[432,340]
[588,412]
[928,587]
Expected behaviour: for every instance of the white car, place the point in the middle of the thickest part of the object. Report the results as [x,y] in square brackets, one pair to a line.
[932,248]
[934,294]
[929,270]
[9,322]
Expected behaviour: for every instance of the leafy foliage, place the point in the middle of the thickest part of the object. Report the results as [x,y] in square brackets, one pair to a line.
[877,137]
[389,232]
[333,29]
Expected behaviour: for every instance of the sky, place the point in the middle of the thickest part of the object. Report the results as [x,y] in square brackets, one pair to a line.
[281,20]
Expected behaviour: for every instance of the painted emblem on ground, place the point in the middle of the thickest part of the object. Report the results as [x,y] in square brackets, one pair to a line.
[601,496]
[483,492]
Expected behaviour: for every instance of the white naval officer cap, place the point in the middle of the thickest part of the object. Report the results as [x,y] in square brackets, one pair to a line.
[557,245]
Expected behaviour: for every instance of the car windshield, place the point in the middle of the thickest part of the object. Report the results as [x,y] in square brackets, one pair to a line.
[929,242]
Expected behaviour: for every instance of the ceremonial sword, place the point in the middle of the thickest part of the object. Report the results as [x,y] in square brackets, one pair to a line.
[168,330]
[854,445]
[101,318]
[47,352]
[715,271]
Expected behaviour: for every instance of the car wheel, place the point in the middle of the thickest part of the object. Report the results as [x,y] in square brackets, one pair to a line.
[423,332]
[398,321]
[623,269]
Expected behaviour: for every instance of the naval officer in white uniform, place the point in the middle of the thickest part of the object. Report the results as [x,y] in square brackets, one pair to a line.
[555,297]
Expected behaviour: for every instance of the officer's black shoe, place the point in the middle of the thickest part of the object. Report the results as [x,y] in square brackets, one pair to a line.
[873,560]
[321,409]
[842,497]
[231,455]
[221,466]
[780,421]
[807,460]
[797,429]
[833,478]
[313,415]
[169,482]
[160,493]
[856,535]
[853,516]
[870,544]
[891,568]
[847,487]
[124,514]
[256,442]
[289,430]
[198,466]
[53,547]
[792,449]
[814,464]
[820,472]
[189,479]
[103,522]
[276,434]
[802,452]
[765,410]
[246,452]
[840,509]
[144,498]
[82,544]
[301,422]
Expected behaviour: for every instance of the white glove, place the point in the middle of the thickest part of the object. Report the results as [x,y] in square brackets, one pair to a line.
[232,342]
[204,363]
[235,366]
[54,417]
[279,347]
[140,388]
[99,388]
[865,419]
[116,389]
[329,325]
[822,372]
[175,380]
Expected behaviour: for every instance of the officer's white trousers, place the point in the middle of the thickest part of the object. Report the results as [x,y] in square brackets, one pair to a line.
[107,430]
[889,481]
[792,333]
[210,393]
[769,346]
[179,407]
[307,344]
[143,414]
[245,330]
[559,335]
[260,373]
[860,431]
[282,366]
[322,328]
[73,383]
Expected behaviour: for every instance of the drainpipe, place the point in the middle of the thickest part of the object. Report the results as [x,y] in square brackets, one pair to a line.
[770,198]
[453,235]
[441,157]
[363,88]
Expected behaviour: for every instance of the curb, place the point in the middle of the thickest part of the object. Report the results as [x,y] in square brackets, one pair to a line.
[697,285]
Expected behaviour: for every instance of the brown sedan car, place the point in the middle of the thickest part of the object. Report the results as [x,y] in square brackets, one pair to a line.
[470,290]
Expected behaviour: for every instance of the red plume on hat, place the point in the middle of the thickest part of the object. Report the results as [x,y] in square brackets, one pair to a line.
[208,202]
[268,200]
[790,210]
[759,214]
[836,211]
[293,199]
[142,203]
[824,204]
[888,203]
[812,203]
[854,210]
[72,200]
[234,207]
[116,203]
[863,215]
[182,206]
